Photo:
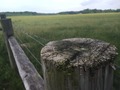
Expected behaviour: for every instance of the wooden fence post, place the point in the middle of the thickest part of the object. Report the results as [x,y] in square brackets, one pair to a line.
[2,16]
[78,64]
[18,59]
[8,31]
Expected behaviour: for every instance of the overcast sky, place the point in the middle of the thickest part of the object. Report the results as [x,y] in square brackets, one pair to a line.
[53,6]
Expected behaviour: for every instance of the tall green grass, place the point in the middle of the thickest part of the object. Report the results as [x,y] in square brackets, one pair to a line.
[103,26]
[9,79]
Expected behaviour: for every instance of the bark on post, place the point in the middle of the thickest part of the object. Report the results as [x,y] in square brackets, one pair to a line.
[78,64]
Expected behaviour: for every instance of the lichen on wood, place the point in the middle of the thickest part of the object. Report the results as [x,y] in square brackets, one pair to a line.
[78,52]
[78,64]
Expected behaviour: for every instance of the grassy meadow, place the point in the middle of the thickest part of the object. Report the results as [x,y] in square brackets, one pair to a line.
[103,26]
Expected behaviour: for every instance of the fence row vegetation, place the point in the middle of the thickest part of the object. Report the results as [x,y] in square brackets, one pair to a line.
[104,26]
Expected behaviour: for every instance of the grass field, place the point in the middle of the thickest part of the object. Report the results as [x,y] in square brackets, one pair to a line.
[105,26]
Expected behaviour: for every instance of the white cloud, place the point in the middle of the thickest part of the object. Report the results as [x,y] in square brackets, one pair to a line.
[56,5]
[89,2]
[101,4]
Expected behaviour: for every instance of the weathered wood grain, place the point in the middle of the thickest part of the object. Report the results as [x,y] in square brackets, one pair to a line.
[78,64]
[30,77]
[108,78]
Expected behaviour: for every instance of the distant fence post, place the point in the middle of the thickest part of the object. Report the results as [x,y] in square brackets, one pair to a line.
[8,31]
[78,64]
[2,16]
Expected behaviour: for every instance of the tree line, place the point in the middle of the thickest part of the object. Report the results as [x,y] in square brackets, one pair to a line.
[85,11]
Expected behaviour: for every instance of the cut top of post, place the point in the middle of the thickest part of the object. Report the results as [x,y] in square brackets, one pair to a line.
[7,27]
[79,52]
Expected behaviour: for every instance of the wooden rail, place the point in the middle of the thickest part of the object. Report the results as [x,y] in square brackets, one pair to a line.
[18,59]
[30,77]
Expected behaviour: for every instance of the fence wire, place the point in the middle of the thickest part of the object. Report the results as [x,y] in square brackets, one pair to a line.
[33,38]
[41,38]
[29,50]
[39,42]
[117,66]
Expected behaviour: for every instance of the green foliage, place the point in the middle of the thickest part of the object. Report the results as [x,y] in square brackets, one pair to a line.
[27,13]
[9,80]
[103,26]
[90,11]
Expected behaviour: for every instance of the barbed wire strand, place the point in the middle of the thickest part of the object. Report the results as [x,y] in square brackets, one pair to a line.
[29,50]
[33,38]
[41,38]
[117,66]
[34,35]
